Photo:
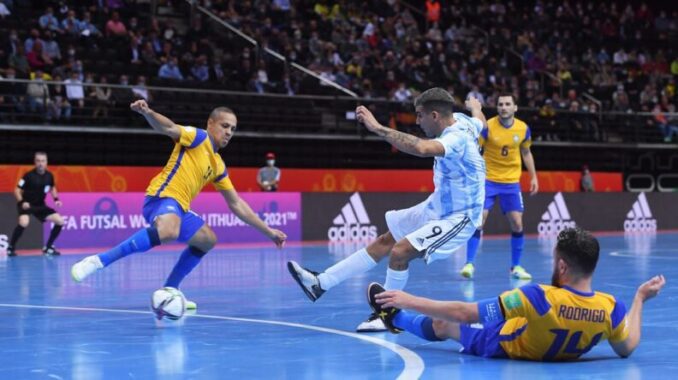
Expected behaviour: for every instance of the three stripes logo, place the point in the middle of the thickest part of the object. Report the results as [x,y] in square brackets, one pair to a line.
[639,218]
[352,223]
[556,218]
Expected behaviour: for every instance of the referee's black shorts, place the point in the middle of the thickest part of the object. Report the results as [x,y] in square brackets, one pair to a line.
[40,211]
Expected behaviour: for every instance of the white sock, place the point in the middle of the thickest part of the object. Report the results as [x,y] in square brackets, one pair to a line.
[359,262]
[396,279]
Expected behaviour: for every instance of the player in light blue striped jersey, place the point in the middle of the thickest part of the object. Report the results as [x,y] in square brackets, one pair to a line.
[435,228]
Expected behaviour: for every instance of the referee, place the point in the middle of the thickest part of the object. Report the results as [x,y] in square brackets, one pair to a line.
[30,194]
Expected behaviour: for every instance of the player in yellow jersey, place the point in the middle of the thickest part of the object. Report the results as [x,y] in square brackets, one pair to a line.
[194,162]
[535,322]
[504,140]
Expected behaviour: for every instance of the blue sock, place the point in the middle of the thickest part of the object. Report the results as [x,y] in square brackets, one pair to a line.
[189,259]
[141,241]
[517,243]
[418,324]
[472,246]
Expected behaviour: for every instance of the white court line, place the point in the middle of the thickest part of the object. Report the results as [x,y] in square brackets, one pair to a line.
[414,364]
[622,254]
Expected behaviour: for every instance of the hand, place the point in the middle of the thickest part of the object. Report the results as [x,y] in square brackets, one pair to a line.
[651,288]
[396,298]
[141,107]
[534,186]
[365,116]
[473,103]
[278,237]
[25,205]
[58,203]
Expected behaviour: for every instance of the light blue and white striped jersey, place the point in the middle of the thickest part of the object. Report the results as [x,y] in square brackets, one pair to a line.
[459,176]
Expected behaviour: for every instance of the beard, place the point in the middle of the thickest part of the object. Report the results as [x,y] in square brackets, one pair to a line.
[555,279]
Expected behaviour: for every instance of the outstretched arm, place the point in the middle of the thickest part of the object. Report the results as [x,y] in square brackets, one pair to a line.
[645,292]
[404,142]
[453,311]
[476,108]
[243,211]
[157,121]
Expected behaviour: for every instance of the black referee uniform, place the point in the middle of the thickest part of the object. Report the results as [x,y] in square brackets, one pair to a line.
[35,187]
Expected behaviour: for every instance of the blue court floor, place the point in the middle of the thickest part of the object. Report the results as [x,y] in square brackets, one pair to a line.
[254,322]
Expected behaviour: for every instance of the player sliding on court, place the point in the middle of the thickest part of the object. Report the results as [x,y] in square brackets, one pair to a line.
[194,163]
[435,228]
[535,322]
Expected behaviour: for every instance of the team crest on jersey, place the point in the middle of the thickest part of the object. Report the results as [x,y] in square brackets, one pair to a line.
[513,301]
[516,139]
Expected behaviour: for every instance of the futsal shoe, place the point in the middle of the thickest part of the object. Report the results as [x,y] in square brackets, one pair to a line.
[190,305]
[50,251]
[386,314]
[520,273]
[85,267]
[467,271]
[372,324]
[10,251]
[307,279]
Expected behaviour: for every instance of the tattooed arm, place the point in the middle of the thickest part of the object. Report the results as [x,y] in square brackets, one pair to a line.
[404,142]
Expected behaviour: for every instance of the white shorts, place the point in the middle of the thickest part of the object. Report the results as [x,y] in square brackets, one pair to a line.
[438,239]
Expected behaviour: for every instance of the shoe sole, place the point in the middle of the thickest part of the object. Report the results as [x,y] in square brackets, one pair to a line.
[467,275]
[371,330]
[73,276]
[369,300]
[297,278]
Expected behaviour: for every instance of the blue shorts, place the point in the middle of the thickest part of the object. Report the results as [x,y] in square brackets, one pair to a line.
[190,221]
[510,197]
[482,341]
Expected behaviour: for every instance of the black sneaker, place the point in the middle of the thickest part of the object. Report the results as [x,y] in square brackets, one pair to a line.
[10,251]
[307,279]
[50,251]
[386,314]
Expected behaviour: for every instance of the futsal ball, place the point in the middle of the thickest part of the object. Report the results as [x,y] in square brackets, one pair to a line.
[168,303]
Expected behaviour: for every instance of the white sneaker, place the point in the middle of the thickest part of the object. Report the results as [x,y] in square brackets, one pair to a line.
[372,324]
[307,280]
[85,267]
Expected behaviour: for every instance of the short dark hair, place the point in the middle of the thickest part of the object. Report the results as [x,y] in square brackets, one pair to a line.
[506,94]
[215,112]
[579,249]
[435,99]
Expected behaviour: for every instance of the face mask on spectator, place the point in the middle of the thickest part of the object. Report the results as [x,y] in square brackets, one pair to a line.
[169,33]
[71,52]
[270,162]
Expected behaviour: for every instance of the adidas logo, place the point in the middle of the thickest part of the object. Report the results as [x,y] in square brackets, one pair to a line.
[556,218]
[352,223]
[639,218]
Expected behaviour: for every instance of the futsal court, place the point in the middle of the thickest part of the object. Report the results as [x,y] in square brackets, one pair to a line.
[254,322]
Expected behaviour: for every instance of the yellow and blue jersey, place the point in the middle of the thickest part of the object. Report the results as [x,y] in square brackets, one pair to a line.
[501,149]
[550,323]
[194,163]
